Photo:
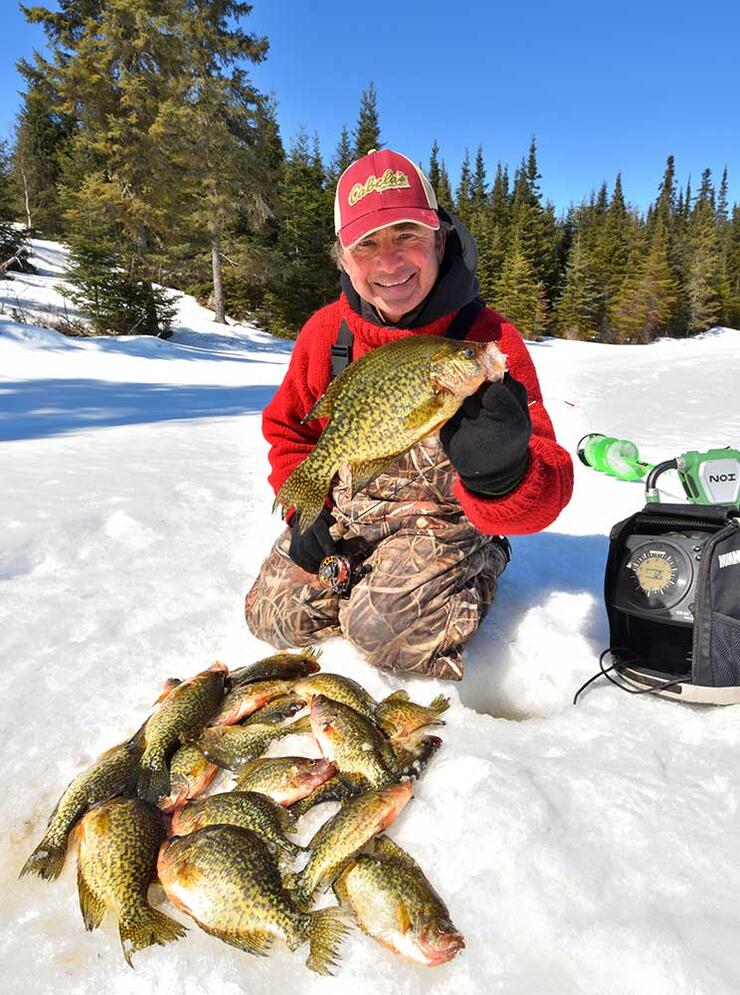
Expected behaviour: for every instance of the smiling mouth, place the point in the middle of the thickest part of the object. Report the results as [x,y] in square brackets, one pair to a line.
[401,283]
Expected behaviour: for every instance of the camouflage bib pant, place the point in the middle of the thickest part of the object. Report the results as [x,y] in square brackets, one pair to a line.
[433,576]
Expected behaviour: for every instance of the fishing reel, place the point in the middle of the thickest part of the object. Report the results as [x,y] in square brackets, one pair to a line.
[338,574]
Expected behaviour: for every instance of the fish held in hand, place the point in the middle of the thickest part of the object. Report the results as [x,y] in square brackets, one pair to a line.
[115,772]
[178,720]
[227,879]
[380,406]
[117,860]
[394,903]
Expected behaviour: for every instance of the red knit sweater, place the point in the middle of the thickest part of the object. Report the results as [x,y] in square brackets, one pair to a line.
[534,504]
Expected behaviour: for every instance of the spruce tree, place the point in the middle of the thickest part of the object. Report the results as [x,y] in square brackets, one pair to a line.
[40,136]
[367,130]
[519,295]
[433,170]
[444,190]
[578,312]
[704,290]
[464,192]
[646,300]
[343,157]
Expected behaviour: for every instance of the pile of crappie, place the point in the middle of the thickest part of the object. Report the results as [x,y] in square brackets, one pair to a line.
[140,813]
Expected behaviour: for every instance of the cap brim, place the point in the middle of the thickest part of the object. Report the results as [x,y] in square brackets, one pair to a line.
[386,216]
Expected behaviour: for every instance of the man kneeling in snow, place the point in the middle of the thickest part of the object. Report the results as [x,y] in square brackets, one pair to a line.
[432,526]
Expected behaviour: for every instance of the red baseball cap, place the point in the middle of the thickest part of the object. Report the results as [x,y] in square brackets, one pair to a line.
[380,189]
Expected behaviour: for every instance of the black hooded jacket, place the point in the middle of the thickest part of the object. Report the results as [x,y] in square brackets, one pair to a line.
[456,286]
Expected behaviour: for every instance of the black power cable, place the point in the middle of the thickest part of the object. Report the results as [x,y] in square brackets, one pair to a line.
[606,672]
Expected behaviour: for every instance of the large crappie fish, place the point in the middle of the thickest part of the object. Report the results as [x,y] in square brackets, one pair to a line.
[382,405]
[227,879]
[117,861]
[178,720]
[115,772]
[395,904]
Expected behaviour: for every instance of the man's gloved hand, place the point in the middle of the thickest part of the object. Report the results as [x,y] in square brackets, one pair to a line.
[487,439]
[309,549]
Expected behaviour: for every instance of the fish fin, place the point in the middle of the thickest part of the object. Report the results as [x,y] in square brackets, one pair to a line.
[143,927]
[286,819]
[254,942]
[154,779]
[47,860]
[399,695]
[427,412]
[367,470]
[92,906]
[169,685]
[439,704]
[326,930]
[323,407]
[306,490]
[386,849]
[314,652]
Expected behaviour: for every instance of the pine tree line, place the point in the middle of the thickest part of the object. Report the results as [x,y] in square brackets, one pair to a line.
[143,144]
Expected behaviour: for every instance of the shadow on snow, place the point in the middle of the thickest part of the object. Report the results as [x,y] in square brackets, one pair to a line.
[34,409]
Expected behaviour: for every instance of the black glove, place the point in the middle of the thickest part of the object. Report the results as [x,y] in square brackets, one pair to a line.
[309,548]
[487,438]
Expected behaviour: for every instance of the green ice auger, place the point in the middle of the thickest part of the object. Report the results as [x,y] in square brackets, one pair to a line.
[617,457]
[712,477]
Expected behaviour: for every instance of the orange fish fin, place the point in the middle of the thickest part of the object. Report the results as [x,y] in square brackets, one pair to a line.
[92,906]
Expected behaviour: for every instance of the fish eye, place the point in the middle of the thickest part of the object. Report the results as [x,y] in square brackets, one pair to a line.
[469,352]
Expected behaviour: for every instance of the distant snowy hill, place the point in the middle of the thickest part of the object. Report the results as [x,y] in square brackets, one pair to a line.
[580,849]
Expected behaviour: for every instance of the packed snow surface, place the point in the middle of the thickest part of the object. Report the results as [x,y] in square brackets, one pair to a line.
[580,849]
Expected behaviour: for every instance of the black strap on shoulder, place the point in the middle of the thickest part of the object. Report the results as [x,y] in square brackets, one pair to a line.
[465,319]
[341,351]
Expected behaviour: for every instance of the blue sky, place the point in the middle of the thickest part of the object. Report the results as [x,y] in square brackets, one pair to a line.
[603,87]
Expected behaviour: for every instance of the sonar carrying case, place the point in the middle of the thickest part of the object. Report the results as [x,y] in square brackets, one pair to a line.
[672,590]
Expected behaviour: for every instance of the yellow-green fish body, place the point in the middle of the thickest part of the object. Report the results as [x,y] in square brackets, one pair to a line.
[247,809]
[394,903]
[190,774]
[284,779]
[246,698]
[279,666]
[178,720]
[399,717]
[115,772]
[233,746]
[116,863]
[338,688]
[227,879]
[352,742]
[380,406]
[354,825]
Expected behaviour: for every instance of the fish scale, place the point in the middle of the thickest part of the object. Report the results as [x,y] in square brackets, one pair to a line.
[382,405]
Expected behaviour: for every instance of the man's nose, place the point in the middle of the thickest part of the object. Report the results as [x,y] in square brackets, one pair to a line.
[389,256]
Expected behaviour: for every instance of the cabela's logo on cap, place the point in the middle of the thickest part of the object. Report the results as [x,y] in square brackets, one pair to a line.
[390,180]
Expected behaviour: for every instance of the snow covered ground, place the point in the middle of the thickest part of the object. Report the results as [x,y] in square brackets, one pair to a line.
[583,849]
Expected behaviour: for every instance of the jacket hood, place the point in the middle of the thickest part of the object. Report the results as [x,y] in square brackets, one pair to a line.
[456,284]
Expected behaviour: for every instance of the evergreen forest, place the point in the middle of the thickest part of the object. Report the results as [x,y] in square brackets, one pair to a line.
[142,143]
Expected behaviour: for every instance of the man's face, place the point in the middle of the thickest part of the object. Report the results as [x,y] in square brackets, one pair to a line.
[394,268]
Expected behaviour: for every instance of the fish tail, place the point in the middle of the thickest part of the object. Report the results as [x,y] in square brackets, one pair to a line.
[326,930]
[440,704]
[143,927]
[154,778]
[305,490]
[47,860]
